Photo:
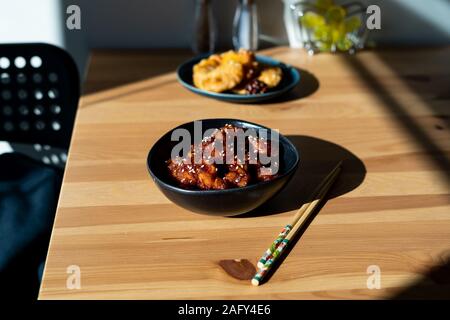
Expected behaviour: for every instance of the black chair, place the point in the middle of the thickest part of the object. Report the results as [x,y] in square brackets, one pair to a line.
[39,93]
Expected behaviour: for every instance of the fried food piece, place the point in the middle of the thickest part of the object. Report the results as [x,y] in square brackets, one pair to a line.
[206,175]
[184,173]
[263,146]
[207,178]
[223,72]
[214,74]
[219,184]
[266,173]
[271,76]
[261,80]
[240,88]
[237,175]
[244,57]
[247,59]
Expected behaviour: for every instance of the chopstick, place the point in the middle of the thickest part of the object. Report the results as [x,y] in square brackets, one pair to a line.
[329,180]
[285,231]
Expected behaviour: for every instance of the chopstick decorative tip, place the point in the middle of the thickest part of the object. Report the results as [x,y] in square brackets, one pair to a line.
[274,246]
[262,261]
[280,243]
[255,282]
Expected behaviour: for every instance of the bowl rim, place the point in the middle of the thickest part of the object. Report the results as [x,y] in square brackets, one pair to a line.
[232,96]
[230,190]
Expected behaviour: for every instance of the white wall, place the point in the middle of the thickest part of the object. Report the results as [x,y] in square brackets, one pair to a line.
[41,21]
[168,23]
[413,22]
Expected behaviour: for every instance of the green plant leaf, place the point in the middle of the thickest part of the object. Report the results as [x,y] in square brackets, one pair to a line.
[324,4]
[352,24]
[323,33]
[338,32]
[312,20]
[325,46]
[335,14]
[344,44]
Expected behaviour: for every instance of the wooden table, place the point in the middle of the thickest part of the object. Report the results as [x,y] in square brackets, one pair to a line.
[385,112]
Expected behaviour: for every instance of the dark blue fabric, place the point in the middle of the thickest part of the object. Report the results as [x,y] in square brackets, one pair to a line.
[28,195]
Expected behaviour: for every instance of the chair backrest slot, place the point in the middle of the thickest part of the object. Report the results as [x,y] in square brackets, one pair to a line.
[39,93]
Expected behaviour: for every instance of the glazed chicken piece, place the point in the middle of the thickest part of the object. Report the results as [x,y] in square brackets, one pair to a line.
[210,153]
[262,146]
[265,173]
[237,175]
[185,174]
[207,177]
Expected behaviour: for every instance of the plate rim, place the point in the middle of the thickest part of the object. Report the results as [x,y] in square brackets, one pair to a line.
[236,97]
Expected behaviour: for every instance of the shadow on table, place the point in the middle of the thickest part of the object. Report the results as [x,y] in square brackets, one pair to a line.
[307,86]
[435,284]
[422,85]
[106,71]
[317,158]
[426,75]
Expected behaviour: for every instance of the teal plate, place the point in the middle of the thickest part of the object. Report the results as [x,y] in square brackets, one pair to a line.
[291,78]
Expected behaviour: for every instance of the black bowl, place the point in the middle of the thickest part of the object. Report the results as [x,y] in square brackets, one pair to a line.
[228,202]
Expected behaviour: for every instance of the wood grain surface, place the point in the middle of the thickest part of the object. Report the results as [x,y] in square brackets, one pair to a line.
[384,112]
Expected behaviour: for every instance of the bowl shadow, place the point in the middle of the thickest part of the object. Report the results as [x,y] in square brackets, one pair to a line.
[317,158]
[307,86]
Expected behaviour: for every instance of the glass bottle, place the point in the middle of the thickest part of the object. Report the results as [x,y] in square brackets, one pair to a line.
[204,37]
[245,26]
